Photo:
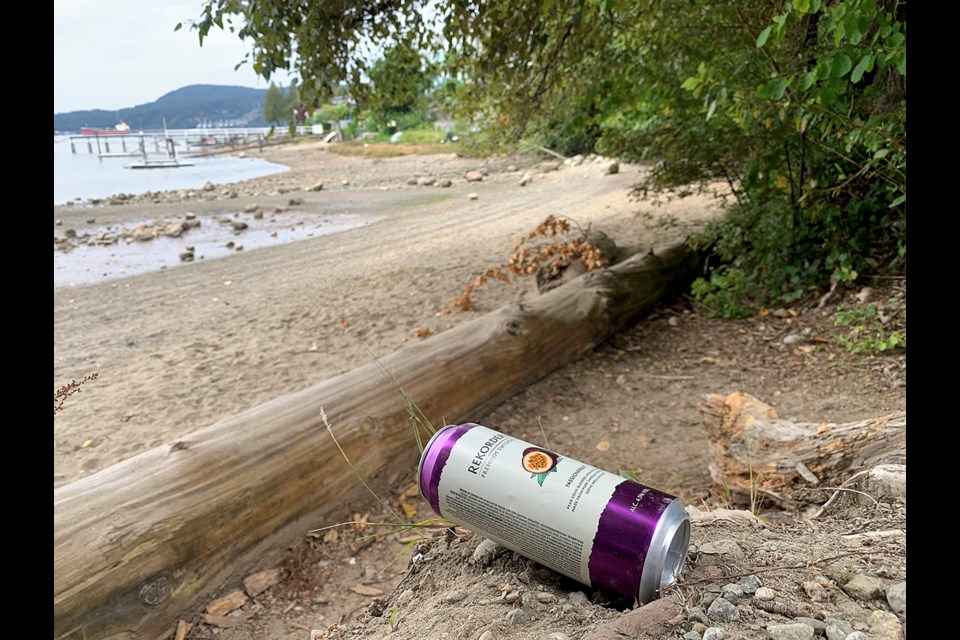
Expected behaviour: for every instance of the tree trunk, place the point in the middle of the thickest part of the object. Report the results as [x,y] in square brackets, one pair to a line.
[759,455]
[144,541]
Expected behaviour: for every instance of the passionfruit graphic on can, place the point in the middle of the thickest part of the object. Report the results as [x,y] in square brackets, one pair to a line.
[539,462]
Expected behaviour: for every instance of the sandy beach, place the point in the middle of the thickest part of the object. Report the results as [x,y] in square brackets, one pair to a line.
[177,349]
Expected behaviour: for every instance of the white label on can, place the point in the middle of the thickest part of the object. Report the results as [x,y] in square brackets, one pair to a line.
[551,517]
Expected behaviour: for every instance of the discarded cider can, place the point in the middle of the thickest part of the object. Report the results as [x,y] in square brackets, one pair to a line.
[591,525]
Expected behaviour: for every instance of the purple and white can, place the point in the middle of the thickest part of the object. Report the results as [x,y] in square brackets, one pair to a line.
[591,525]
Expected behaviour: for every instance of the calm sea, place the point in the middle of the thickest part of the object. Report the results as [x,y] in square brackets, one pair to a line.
[83,175]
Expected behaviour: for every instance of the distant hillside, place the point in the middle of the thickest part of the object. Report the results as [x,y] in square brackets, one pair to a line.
[185,108]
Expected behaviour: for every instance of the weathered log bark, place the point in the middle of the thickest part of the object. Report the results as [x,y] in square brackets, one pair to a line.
[756,453]
[145,540]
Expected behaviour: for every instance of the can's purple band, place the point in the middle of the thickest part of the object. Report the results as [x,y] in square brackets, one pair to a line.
[435,459]
[623,537]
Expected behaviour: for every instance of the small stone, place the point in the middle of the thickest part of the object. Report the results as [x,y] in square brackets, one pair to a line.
[189,215]
[577,598]
[864,587]
[58,222]
[412,181]
[713,633]
[692,635]
[425,181]
[295,202]
[186,256]
[558,636]
[69,233]
[793,338]
[257,583]
[91,220]
[838,629]
[884,626]
[696,614]
[765,593]
[546,598]
[723,610]
[549,166]
[613,167]
[484,551]
[708,598]
[473,195]
[529,601]
[258,214]
[792,631]
[209,186]
[316,187]
[816,591]
[230,602]
[250,208]
[732,592]
[857,635]
[487,635]
[473,176]
[749,584]
[818,626]
[727,548]
[515,616]
[525,180]
[897,597]
[239,225]
[454,596]
[405,598]
[446,182]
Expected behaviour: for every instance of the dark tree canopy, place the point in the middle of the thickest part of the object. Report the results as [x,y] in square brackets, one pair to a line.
[799,107]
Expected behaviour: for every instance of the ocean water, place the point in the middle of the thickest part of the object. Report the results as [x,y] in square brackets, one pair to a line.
[83,175]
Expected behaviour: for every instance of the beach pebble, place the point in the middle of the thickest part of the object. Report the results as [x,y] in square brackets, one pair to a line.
[863,587]
[454,596]
[577,598]
[250,208]
[473,195]
[816,591]
[295,202]
[696,614]
[446,182]
[316,187]
[473,176]
[819,627]
[749,584]
[897,597]
[425,181]
[209,186]
[487,635]
[884,626]
[692,635]
[732,592]
[69,233]
[613,167]
[723,610]
[791,631]
[765,593]
[558,636]
[549,166]
[713,633]
[58,222]
[515,616]
[546,598]
[837,629]
[857,635]
[259,582]
[239,225]
[412,181]
[186,256]
[525,180]
[344,182]
[484,551]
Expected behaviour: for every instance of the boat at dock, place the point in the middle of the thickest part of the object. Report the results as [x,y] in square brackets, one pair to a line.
[121,129]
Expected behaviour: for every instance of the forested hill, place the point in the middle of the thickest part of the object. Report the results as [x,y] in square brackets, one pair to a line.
[185,108]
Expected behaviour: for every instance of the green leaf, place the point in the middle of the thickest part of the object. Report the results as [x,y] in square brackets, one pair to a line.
[713,107]
[802,6]
[881,153]
[861,67]
[898,201]
[762,38]
[773,89]
[690,83]
[807,80]
[178,27]
[841,65]
[902,67]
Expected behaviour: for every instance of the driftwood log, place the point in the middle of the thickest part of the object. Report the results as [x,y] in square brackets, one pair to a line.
[755,453]
[145,541]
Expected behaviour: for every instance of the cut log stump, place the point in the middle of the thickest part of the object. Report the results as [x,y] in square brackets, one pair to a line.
[756,453]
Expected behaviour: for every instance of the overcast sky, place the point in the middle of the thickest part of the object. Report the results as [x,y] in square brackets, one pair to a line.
[114,54]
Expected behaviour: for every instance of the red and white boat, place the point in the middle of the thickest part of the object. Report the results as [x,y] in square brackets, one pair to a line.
[122,128]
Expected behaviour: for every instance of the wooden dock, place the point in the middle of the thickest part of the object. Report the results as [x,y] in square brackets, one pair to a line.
[169,141]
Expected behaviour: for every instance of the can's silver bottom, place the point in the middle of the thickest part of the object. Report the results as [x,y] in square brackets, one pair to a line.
[668,552]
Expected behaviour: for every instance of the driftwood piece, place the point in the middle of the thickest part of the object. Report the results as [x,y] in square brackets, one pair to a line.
[756,453]
[144,542]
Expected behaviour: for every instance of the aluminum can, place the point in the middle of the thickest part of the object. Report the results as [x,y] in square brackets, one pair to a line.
[586,523]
